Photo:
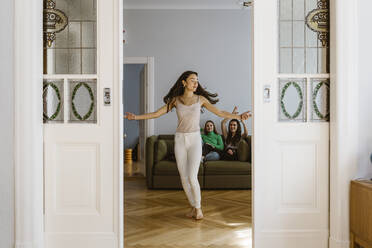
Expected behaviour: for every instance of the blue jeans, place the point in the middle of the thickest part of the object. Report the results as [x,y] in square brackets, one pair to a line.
[212,156]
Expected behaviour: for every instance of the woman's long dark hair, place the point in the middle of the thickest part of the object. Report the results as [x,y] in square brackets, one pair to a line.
[205,127]
[178,90]
[238,134]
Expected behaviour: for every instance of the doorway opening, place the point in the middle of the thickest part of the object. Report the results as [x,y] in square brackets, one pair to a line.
[137,97]
[182,44]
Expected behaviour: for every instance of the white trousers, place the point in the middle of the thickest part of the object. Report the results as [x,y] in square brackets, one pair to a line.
[188,151]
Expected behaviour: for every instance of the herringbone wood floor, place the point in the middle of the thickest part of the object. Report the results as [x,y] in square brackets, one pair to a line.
[156,218]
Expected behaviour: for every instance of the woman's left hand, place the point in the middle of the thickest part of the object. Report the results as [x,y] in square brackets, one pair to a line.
[245,115]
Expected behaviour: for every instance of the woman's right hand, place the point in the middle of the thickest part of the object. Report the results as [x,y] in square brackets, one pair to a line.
[129,116]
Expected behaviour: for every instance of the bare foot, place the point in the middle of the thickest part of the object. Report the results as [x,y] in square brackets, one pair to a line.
[199,214]
[191,214]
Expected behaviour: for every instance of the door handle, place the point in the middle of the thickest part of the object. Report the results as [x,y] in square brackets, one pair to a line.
[267,93]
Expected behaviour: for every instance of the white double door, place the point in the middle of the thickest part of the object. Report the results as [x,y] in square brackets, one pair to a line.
[83,160]
[291,158]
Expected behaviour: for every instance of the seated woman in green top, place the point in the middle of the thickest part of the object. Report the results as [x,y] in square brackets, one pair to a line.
[212,142]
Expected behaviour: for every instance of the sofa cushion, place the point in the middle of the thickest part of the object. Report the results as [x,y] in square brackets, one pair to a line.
[243,151]
[165,167]
[248,139]
[164,150]
[227,168]
[170,150]
[161,150]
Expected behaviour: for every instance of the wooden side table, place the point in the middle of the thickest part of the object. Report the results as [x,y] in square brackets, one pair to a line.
[361,214]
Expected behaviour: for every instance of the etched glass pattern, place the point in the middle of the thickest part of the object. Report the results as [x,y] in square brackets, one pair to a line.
[52,101]
[73,50]
[303,36]
[320,100]
[292,99]
[83,101]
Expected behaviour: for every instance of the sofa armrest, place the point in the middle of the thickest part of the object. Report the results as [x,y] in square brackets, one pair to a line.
[244,149]
[150,160]
[249,142]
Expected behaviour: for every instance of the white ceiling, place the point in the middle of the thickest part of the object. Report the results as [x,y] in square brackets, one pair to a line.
[183,4]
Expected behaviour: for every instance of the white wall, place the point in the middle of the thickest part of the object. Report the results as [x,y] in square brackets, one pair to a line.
[365,89]
[6,130]
[215,43]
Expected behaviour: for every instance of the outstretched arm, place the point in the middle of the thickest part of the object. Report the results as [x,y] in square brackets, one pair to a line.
[223,127]
[161,111]
[245,134]
[221,113]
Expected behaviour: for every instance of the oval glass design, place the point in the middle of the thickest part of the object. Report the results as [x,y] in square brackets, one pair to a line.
[320,100]
[291,100]
[52,101]
[82,101]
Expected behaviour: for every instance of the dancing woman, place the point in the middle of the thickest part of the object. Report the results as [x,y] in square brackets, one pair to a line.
[188,97]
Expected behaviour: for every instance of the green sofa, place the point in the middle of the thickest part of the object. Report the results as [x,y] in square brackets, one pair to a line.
[162,173]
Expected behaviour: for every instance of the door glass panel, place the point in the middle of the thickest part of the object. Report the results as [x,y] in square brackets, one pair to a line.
[292,99]
[311,60]
[285,10]
[299,10]
[61,64]
[285,63]
[320,100]
[285,34]
[298,34]
[69,33]
[298,60]
[323,65]
[83,101]
[53,101]
[306,24]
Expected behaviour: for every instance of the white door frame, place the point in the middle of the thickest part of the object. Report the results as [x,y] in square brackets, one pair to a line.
[149,90]
[28,137]
[343,115]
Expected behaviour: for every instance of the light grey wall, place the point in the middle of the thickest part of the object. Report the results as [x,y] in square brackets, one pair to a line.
[6,130]
[131,93]
[215,43]
[365,90]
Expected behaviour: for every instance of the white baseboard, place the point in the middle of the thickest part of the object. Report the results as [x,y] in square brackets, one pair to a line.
[336,243]
[35,244]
